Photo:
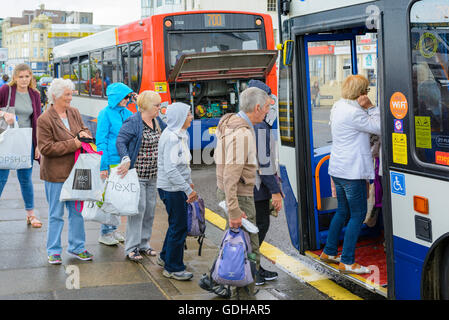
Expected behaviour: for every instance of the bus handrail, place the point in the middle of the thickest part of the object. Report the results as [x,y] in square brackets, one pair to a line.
[317,181]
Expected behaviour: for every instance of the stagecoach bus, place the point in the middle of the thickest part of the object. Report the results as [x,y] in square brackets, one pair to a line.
[402,47]
[202,58]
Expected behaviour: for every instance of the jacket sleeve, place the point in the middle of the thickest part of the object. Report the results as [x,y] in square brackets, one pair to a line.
[232,172]
[263,142]
[48,146]
[101,138]
[125,135]
[367,121]
[170,156]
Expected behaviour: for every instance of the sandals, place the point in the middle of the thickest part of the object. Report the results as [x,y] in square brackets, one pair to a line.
[35,223]
[134,256]
[149,252]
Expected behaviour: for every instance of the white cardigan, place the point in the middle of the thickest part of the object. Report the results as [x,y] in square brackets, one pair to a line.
[351,126]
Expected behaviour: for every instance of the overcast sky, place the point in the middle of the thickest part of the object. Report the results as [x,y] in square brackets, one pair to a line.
[109,12]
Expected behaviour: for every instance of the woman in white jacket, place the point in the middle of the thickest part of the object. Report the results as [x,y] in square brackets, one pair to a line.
[353,119]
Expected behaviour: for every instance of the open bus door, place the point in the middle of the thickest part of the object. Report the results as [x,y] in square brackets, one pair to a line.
[323,60]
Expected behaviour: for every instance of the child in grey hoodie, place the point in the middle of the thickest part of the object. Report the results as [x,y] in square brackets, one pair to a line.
[175,188]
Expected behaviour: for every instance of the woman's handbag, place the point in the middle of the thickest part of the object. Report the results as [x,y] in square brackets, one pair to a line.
[15,148]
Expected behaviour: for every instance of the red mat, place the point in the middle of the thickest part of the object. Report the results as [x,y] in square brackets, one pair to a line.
[370,253]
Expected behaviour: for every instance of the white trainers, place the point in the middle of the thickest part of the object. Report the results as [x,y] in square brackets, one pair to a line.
[353,268]
[108,239]
[118,236]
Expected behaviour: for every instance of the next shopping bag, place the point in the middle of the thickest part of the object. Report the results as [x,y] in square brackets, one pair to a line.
[92,212]
[122,194]
[84,182]
[15,148]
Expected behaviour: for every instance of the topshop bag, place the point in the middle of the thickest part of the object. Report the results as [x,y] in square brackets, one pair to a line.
[15,148]
[84,182]
[233,266]
[122,194]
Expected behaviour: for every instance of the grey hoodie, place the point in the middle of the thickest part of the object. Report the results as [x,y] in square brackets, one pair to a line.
[173,162]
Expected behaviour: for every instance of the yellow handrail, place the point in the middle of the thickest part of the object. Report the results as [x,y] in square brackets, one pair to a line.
[317,181]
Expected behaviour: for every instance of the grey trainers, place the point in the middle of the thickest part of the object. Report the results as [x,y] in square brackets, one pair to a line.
[118,236]
[181,275]
[108,239]
[160,261]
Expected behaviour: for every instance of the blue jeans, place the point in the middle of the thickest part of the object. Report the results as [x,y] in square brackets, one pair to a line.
[77,235]
[26,184]
[173,249]
[351,196]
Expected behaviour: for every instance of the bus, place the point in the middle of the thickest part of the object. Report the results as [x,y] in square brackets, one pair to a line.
[202,58]
[402,47]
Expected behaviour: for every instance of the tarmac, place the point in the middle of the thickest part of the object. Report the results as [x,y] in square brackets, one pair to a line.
[26,274]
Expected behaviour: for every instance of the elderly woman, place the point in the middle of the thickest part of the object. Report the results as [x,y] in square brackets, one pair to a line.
[353,118]
[137,146]
[58,133]
[21,94]
[175,188]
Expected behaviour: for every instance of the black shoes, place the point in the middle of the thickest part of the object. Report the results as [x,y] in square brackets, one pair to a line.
[208,284]
[264,275]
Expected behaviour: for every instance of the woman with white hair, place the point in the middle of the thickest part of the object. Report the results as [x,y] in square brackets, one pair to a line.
[59,130]
[137,145]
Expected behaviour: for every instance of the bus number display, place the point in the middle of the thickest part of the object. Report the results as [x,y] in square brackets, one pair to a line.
[214,20]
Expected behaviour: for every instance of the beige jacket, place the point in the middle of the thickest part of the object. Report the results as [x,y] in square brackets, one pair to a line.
[236,161]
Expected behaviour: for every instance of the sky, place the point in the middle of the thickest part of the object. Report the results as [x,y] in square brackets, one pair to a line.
[106,12]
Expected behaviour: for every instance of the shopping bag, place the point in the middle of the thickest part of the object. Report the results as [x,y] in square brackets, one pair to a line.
[92,212]
[122,195]
[84,182]
[15,148]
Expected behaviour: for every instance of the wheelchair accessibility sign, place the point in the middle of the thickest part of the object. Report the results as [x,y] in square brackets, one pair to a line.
[397,183]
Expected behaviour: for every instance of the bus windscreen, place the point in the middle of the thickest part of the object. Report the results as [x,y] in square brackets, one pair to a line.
[197,42]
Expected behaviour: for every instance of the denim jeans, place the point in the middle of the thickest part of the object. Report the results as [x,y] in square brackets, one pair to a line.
[140,226]
[56,222]
[351,196]
[173,249]
[26,184]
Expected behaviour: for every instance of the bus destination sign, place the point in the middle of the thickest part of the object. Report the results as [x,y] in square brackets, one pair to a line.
[214,20]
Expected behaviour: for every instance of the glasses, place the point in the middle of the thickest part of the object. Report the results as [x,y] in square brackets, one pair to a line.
[366,90]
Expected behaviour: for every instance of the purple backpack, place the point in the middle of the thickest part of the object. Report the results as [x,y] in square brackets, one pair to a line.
[233,266]
[196,221]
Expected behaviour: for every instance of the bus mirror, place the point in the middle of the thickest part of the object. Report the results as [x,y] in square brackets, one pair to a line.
[288,52]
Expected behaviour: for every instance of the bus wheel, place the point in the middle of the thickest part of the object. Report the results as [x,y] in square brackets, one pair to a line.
[444,275]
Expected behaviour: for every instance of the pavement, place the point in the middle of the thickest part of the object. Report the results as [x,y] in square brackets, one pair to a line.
[26,274]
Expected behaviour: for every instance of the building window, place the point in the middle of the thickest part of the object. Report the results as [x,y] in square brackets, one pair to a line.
[26,37]
[271,5]
[169,1]
[35,52]
[25,52]
[159,3]
[42,37]
[35,36]
[42,53]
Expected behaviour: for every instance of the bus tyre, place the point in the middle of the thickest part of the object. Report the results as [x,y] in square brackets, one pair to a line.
[444,275]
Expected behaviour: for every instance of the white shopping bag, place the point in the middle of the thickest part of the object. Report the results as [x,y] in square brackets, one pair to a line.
[92,212]
[15,148]
[84,182]
[122,195]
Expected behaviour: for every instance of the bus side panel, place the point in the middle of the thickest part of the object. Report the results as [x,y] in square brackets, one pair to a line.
[408,260]
[290,208]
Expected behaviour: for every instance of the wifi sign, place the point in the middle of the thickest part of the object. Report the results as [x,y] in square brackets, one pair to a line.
[398,105]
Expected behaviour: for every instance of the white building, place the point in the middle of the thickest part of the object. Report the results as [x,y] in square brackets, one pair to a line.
[152,7]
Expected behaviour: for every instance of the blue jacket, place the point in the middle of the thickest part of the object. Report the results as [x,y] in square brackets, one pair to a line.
[129,138]
[109,122]
[269,185]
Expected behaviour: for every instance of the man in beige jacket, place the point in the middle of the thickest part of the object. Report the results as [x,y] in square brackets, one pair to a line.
[236,160]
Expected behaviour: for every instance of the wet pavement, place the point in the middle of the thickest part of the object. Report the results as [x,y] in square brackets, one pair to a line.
[26,274]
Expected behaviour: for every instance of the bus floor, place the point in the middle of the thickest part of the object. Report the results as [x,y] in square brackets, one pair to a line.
[370,253]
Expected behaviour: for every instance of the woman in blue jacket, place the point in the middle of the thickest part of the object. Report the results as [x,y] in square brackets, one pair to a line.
[109,122]
[137,145]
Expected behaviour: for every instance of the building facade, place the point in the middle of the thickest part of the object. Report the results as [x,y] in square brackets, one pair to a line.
[33,42]
[152,7]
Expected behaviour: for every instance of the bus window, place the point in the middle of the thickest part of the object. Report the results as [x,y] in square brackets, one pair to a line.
[94,84]
[430,67]
[367,61]
[286,111]
[109,67]
[329,65]
[185,43]
[84,74]
[65,69]
[135,66]
[74,73]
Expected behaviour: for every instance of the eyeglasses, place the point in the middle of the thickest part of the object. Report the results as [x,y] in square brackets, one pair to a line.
[367,90]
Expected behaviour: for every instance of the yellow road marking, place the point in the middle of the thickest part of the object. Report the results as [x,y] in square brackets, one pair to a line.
[290,264]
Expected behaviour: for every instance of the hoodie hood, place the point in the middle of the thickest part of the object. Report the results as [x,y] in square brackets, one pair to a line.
[176,115]
[229,123]
[116,92]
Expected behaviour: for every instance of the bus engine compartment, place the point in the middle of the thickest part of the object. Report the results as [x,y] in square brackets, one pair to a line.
[209,98]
